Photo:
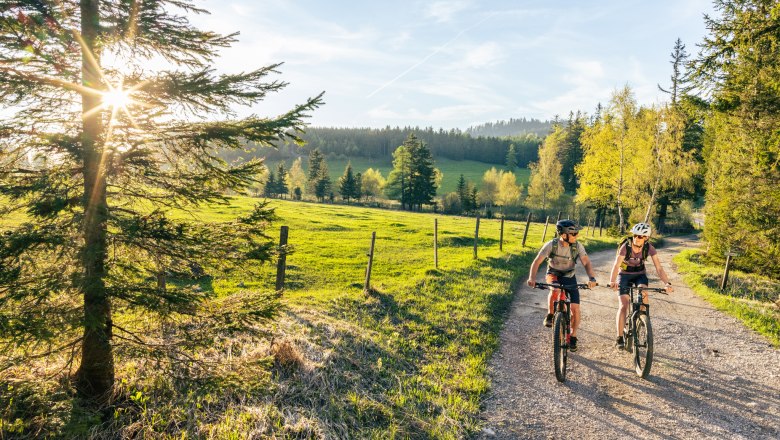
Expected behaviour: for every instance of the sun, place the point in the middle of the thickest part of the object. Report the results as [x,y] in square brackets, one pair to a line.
[117,98]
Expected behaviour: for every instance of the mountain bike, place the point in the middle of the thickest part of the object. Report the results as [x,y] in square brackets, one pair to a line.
[637,331]
[561,325]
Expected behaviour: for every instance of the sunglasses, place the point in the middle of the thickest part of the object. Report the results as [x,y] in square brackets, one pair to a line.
[573,234]
[640,236]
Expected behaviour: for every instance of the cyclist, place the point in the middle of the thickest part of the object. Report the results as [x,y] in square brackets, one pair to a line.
[629,268]
[562,253]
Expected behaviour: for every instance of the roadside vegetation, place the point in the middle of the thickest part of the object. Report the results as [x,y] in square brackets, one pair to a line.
[753,299]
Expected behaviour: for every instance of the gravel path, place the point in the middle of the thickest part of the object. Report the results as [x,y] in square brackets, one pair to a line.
[711,377]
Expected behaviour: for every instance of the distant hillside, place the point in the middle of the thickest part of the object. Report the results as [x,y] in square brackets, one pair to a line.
[372,143]
[512,127]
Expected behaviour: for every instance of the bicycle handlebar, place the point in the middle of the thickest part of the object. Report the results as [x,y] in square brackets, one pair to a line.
[543,286]
[653,289]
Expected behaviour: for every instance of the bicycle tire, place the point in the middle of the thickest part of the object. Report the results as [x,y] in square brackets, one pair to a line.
[560,347]
[643,345]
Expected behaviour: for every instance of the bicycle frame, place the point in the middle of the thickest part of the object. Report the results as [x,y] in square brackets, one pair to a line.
[639,318]
[562,324]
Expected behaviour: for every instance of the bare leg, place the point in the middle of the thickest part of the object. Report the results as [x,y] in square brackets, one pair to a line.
[620,319]
[550,302]
[575,318]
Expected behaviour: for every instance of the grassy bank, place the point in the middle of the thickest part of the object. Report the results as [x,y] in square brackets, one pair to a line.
[751,298]
[406,361]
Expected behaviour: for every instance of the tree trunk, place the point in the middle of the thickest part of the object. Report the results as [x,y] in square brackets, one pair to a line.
[95,376]
[621,227]
[663,206]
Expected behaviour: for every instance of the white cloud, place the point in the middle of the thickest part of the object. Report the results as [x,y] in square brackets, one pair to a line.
[444,11]
[485,55]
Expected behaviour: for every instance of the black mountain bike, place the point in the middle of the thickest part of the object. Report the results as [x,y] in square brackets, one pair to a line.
[561,325]
[638,333]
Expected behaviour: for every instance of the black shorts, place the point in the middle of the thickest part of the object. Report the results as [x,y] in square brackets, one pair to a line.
[626,280]
[574,293]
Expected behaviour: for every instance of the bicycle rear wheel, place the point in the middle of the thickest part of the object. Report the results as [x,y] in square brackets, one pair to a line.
[643,345]
[560,346]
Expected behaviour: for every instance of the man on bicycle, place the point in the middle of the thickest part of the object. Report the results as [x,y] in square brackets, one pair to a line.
[629,268]
[562,253]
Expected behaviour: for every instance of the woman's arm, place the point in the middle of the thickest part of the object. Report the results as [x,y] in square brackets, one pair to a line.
[615,270]
[659,269]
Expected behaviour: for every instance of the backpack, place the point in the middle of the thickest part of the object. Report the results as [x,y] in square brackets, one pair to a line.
[575,252]
[645,250]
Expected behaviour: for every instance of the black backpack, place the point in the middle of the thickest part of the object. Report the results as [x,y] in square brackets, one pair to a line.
[645,250]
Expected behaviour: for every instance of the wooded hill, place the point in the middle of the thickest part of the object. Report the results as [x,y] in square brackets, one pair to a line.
[512,127]
[380,143]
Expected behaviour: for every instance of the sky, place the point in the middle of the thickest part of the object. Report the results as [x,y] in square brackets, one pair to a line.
[454,64]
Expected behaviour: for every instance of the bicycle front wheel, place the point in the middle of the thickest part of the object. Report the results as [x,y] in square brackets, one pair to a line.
[560,346]
[643,345]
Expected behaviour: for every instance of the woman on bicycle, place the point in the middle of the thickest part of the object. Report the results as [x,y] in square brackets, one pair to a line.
[629,268]
[562,253]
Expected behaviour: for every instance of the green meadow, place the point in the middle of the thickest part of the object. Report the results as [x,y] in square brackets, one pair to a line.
[407,360]
[451,170]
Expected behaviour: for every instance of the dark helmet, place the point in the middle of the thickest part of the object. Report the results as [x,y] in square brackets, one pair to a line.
[566,226]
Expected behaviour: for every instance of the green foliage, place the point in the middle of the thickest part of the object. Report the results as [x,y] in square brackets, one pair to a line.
[413,179]
[546,185]
[740,66]
[348,185]
[511,158]
[96,179]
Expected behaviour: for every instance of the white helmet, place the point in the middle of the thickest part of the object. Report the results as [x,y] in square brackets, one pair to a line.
[642,229]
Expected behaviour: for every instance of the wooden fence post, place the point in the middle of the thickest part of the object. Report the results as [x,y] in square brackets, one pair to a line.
[544,234]
[601,225]
[501,236]
[281,264]
[527,224]
[725,279]
[476,237]
[436,243]
[367,284]
[559,217]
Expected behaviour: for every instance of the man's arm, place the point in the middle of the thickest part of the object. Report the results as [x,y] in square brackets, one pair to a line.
[586,263]
[534,269]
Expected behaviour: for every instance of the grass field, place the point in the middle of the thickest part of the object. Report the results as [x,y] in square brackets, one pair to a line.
[407,361]
[451,170]
[753,299]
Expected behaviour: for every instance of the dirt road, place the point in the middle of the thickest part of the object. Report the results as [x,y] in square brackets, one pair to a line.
[711,378]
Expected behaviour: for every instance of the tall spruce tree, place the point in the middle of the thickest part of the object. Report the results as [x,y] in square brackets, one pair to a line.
[739,64]
[347,184]
[281,181]
[511,158]
[112,154]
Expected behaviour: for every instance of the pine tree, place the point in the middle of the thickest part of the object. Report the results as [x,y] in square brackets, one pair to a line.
[271,187]
[413,179]
[112,157]
[347,185]
[358,186]
[281,181]
[463,193]
[511,158]
[315,169]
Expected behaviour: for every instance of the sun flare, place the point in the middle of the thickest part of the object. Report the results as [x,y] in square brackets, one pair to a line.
[117,98]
